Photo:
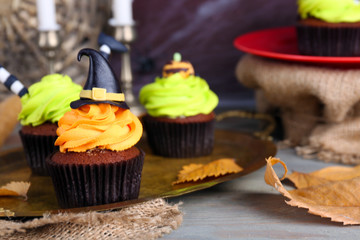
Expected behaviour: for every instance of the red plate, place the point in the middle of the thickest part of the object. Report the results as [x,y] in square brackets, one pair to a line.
[281,43]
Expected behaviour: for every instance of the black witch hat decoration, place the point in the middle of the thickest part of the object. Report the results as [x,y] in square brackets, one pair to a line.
[101,85]
[108,44]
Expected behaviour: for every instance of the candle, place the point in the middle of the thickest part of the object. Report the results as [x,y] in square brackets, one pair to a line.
[122,13]
[46,15]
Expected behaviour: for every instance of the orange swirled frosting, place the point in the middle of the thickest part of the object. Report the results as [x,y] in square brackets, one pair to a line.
[101,126]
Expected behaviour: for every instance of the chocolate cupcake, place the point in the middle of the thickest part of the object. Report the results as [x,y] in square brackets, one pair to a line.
[38,143]
[180,120]
[97,162]
[96,177]
[42,107]
[328,28]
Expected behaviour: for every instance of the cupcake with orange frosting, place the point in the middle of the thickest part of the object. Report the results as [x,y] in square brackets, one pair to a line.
[180,117]
[97,162]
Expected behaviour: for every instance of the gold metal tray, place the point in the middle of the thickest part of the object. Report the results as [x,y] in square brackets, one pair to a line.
[157,176]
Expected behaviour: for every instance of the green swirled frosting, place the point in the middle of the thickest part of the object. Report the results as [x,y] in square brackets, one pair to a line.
[48,100]
[175,96]
[333,11]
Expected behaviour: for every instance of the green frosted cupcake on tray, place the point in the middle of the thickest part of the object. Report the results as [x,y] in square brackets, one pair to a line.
[42,107]
[180,117]
[328,27]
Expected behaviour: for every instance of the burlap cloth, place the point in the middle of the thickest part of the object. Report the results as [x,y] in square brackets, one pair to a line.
[319,106]
[148,220]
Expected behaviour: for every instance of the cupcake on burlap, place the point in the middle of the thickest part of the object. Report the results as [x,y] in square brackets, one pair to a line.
[97,162]
[42,107]
[328,27]
[180,120]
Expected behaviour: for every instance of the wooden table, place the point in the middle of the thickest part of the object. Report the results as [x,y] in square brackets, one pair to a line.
[247,208]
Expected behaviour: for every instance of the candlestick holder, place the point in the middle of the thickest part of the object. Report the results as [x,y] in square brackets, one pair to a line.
[49,42]
[126,34]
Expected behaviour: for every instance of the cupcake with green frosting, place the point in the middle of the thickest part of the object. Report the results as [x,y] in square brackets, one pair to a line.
[42,107]
[329,27]
[180,115]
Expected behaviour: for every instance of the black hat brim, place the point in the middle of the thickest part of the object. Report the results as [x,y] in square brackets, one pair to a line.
[78,103]
[112,43]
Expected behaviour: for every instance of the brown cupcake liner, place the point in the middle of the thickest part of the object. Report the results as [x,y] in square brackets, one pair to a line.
[37,148]
[328,41]
[80,185]
[180,140]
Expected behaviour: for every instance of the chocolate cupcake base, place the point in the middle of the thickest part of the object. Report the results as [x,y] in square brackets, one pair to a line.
[96,177]
[180,137]
[318,38]
[38,143]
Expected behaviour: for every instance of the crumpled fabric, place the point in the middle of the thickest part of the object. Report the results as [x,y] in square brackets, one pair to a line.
[318,105]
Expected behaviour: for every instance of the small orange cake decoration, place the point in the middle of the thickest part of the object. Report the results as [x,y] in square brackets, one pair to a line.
[197,172]
[185,68]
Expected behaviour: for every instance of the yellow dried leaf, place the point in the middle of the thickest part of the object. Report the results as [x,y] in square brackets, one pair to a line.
[337,200]
[336,173]
[196,172]
[325,175]
[304,180]
[16,189]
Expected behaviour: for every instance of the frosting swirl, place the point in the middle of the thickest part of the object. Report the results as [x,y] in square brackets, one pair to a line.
[101,126]
[334,11]
[48,100]
[175,96]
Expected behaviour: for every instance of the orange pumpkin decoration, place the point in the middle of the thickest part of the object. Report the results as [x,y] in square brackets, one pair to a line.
[177,66]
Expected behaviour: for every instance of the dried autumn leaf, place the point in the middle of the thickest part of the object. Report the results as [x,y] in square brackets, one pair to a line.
[304,180]
[336,173]
[197,172]
[337,200]
[17,189]
[325,175]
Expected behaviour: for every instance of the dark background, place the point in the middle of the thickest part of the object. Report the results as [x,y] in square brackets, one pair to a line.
[203,31]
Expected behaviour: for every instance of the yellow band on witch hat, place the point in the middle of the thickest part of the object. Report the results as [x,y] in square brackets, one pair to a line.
[100,94]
